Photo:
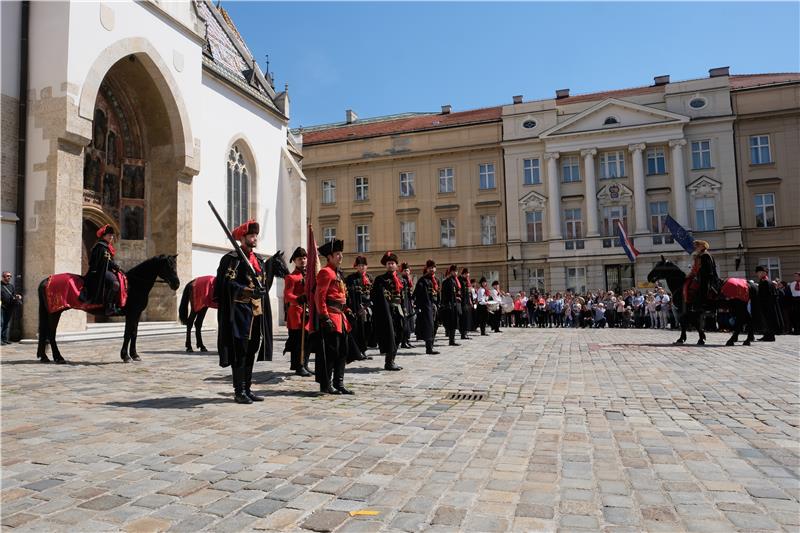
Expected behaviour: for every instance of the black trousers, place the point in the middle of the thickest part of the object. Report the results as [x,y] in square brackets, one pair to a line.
[244,356]
[483,317]
[331,359]
[296,358]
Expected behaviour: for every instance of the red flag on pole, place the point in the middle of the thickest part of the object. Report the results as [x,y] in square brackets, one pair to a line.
[312,268]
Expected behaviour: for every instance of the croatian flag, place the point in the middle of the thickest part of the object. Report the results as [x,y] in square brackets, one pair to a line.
[680,234]
[627,243]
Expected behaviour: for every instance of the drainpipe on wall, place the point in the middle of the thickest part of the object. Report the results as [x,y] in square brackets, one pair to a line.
[739,191]
[22,135]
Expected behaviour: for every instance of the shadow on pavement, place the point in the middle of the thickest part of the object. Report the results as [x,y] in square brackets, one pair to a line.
[170,402]
[68,363]
[668,345]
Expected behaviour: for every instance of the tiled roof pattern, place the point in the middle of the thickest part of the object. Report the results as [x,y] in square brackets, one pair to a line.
[403,125]
[617,93]
[745,81]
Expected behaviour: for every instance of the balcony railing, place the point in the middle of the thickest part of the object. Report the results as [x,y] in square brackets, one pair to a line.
[575,244]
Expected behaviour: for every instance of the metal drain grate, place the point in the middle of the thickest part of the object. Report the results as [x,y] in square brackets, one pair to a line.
[466,396]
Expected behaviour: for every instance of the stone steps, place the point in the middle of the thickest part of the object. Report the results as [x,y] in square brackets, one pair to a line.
[116,330]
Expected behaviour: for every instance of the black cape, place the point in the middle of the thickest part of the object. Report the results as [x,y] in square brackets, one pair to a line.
[451,305]
[382,318]
[425,301]
[94,284]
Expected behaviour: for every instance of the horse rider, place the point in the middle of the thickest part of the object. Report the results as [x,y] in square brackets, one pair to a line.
[101,284]
[704,274]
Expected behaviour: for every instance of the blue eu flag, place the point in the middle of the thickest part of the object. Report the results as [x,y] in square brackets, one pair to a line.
[680,234]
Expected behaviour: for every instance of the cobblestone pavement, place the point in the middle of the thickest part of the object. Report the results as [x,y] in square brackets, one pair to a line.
[613,430]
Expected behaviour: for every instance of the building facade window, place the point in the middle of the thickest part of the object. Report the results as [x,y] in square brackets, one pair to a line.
[570,169]
[328,191]
[773,265]
[488,229]
[447,229]
[486,175]
[536,278]
[362,188]
[408,235]
[573,229]
[765,210]
[447,181]
[759,150]
[238,188]
[658,215]
[701,154]
[491,275]
[612,214]
[530,172]
[576,280]
[328,233]
[612,165]
[406,184]
[704,216]
[362,238]
[656,162]
[533,222]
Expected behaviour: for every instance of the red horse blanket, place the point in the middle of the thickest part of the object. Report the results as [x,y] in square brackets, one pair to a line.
[203,293]
[63,290]
[735,289]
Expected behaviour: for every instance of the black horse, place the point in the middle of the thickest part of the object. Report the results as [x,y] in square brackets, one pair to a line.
[691,315]
[141,279]
[275,266]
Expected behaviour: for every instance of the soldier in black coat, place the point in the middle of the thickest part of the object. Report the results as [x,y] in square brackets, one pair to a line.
[426,294]
[387,307]
[465,320]
[359,285]
[767,307]
[243,318]
[408,305]
[451,304]
[101,285]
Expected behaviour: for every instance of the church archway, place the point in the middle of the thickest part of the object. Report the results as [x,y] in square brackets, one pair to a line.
[135,173]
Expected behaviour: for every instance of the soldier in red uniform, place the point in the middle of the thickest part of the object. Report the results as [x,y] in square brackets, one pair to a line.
[294,297]
[330,297]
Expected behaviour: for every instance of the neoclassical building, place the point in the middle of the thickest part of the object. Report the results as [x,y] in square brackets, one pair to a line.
[135,114]
[420,184]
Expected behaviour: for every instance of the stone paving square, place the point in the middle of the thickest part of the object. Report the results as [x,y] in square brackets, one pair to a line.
[579,430]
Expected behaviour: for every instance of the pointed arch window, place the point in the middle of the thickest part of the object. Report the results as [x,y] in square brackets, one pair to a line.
[238,188]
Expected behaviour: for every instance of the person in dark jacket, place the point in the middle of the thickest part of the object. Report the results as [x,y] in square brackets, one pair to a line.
[451,304]
[387,306]
[242,327]
[408,305]
[465,318]
[703,276]
[426,293]
[11,300]
[101,284]
[767,308]
[359,285]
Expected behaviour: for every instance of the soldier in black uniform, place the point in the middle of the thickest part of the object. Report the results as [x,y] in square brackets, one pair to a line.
[359,284]
[766,305]
[101,285]
[387,306]
[451,304]
[426,295]
[242,322]
[408,305]
[465,320]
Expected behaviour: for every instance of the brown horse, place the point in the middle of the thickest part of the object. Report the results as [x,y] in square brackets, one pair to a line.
[59,292]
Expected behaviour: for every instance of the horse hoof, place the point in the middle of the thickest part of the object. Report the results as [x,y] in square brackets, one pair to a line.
[701,342]
[60,361]
[679,341]
[203,349]
[126,359]
[746,343]
[730,343]
[189,349]
[44,359]
[136,357]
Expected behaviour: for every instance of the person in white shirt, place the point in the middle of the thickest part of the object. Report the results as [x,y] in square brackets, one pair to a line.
[496,295]
[482,305]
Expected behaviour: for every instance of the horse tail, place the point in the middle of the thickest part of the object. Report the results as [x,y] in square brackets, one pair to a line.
[44,314]
[186,299]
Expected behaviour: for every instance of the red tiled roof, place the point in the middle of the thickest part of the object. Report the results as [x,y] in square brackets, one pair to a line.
[744,81]
[403,125]
[618,93]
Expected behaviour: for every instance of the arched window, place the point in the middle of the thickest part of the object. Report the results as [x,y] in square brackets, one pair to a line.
[238,188]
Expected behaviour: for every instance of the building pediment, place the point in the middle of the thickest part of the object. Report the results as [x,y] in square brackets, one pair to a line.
[613,115]
[704,186]
[614,193]
[532,200]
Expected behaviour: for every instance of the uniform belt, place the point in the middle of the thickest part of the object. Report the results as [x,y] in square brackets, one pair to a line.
[334,304]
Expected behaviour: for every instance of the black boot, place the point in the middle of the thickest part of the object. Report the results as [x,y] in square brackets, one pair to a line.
[338,378]
[248,383]
[429,348]
[390,365]
[238,390]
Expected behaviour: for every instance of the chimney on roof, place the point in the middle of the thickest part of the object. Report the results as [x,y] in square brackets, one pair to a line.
[446,109]
[562,93]
[661,80]
[518,99]
[719,71]
[350,116]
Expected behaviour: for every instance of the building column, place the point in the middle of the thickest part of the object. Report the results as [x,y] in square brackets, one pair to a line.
[591,192]
[679,182]
[639,194]
[553,196]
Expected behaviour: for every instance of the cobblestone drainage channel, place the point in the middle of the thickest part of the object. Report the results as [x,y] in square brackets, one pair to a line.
[466,396]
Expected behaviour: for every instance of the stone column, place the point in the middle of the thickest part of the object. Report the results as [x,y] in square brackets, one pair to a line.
[679,182]
[553,196]
[639,194]
[591,192]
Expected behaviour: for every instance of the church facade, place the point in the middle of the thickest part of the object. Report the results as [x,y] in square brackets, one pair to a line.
[135,114]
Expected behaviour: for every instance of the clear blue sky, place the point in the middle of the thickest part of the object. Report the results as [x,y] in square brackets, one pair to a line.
[386,58]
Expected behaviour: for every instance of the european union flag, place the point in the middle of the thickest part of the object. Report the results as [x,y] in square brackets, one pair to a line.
[680,234]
